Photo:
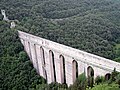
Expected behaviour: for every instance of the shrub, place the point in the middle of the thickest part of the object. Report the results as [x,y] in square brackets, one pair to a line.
[99,79]
[80,83]
[105,87]
[118,79]
[90,81]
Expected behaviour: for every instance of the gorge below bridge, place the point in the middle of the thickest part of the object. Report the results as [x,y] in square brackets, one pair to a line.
[59,63]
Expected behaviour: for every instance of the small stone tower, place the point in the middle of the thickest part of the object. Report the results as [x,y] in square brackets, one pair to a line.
[12,24]
[5,17]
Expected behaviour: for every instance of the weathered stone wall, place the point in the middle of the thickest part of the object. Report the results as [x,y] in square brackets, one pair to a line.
[38,49]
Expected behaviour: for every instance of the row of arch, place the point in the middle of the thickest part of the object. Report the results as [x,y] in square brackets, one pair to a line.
[90,71]
[62,66]
[52,66]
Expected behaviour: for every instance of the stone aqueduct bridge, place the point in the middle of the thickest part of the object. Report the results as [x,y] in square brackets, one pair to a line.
[62,64]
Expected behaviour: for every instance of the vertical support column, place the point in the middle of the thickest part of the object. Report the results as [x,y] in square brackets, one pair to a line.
[35,50]
[27,49]
[81,68]
[68,70]
[41,61]
[57,66]
[39,58]
[33,54]
[47,68]
[22,41]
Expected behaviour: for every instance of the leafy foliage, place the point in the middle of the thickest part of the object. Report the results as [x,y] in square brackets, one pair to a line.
[52,86]
[16,71]
[105,87]
[80,83]
[99,79]
[117,52]
[89,25]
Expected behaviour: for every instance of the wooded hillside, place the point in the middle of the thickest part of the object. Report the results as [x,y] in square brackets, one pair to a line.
[89,25]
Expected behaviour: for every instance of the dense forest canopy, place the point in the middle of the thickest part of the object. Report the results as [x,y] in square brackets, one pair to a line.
[16,70]
[89,25]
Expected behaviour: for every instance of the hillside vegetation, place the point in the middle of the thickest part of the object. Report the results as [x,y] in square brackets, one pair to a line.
[89,25]
[16,70]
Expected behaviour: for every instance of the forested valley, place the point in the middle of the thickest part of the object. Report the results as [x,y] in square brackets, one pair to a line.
[89,25]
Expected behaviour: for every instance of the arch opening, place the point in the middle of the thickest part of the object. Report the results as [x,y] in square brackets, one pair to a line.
[43,62]
[90,74]
[62,69]
[74,70]
[52,66]
[107,76]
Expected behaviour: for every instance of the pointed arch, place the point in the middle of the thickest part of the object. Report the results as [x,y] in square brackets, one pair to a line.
[62,69]
[90,74]
[90,71]
[74,70]
[107,76]
[52,66]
